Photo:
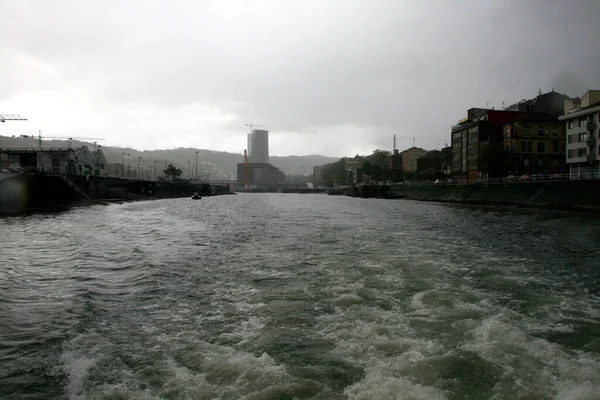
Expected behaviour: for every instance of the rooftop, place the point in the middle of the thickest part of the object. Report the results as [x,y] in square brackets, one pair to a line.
[433,154]
[535,118]
[413,149]
[580,111]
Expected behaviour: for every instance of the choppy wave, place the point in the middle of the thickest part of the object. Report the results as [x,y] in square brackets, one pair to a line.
[299,296]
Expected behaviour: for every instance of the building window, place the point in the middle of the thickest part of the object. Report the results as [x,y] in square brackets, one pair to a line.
[547,131]
[572,138]
[555,132]
[526,131]
[570,124]
[583,121]
[516,131]
[529,147]
[571,153]
[541,147]
[540,131]
[582,137]
[582,151]
[555,146]
[523,147]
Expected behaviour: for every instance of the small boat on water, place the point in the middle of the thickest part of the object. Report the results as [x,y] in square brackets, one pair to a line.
[196,196]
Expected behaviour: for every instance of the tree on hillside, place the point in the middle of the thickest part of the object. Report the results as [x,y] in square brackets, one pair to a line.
[335,172]
[172,172]
[380,157]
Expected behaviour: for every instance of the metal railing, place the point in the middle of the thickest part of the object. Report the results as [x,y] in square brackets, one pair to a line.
[508,180]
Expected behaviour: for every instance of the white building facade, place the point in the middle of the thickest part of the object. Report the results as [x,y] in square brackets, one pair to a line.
[582,136]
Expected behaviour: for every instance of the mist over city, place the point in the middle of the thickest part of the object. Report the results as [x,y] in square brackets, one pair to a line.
[334,78]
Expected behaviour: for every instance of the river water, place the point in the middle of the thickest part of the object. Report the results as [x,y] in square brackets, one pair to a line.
[271,296]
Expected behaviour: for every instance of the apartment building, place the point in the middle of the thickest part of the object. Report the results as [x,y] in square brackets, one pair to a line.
[582,122]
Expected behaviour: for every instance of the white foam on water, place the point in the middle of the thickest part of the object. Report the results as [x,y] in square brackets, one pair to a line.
[348,299]
[537,367]
[380,384]
[416,301]
[223,373]
[204,371]
[77,361]
[246,331]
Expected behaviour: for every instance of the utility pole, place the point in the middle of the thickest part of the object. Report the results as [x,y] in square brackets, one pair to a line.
[189,163]
[128,165]
[196,175]
[96,159]
[155,170]
[139,167]
[122,165]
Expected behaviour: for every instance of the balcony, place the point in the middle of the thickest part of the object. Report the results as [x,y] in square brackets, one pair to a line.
[591,126]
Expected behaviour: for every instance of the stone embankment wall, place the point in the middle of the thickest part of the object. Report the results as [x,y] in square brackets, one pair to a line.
[564,195]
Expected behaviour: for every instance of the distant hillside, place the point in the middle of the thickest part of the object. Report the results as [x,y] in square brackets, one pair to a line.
[217,163]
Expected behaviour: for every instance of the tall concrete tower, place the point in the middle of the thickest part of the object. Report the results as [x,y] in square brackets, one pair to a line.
[258,146]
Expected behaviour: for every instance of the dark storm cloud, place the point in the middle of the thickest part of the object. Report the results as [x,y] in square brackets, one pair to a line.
[353,69]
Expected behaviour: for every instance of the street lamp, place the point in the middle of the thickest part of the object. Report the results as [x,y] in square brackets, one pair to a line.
[154,169]
[128,165]
[122,165]
[139,167]
[189,175]
[196,175]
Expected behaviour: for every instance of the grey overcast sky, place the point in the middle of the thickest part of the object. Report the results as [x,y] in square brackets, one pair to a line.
[331,77]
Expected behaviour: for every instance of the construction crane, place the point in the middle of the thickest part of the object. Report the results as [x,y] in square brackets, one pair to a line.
[252,125]
[40,137]
[11,117]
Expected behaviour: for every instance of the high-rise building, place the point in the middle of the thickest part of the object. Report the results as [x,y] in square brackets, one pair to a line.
[258,146]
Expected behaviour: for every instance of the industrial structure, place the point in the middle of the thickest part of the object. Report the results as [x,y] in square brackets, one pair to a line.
[11,117]
[255,172]
[68,138]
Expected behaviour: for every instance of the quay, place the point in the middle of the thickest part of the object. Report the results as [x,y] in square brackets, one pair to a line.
[24,192]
